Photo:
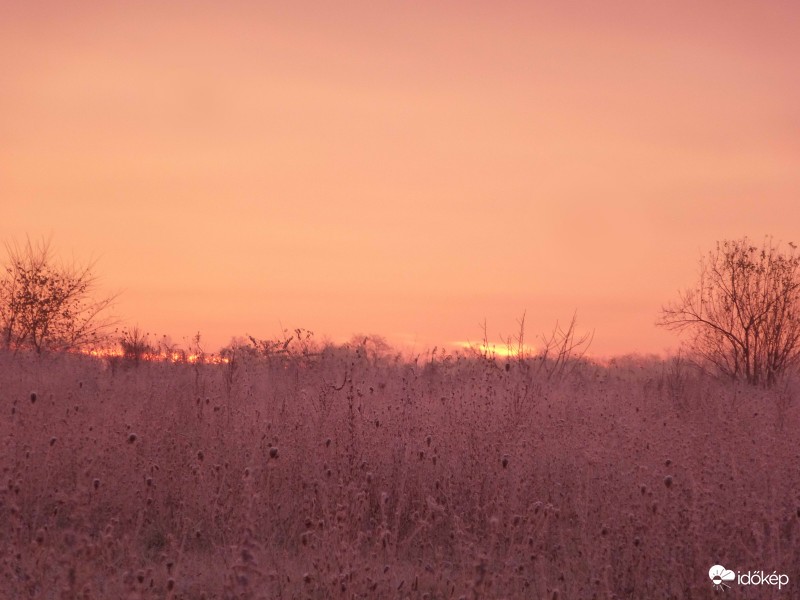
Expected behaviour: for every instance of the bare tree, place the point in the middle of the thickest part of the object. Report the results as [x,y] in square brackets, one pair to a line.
[47,304]
[744,313]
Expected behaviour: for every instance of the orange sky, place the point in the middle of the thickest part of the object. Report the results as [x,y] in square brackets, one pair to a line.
[402,168]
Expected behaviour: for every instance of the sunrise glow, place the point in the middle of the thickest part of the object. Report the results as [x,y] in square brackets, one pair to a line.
[500,350]
[402,169]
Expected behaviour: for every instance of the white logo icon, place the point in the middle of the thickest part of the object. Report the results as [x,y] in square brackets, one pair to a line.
[719,575]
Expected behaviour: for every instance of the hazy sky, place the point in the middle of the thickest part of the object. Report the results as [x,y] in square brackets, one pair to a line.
[402,168]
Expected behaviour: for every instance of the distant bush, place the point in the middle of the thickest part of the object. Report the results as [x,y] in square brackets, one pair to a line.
[136,345]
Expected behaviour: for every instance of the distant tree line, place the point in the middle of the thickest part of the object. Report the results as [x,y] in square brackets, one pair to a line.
[742,317]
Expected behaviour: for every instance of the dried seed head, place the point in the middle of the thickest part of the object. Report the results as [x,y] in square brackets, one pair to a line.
[132,438]
[504,462]
[52,441]
[33,397]
[273,452]
[668,481]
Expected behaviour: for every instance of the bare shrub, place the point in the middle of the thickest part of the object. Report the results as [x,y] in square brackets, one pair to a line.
[136,345]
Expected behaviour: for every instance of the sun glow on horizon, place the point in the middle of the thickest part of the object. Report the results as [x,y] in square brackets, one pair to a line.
[498,349]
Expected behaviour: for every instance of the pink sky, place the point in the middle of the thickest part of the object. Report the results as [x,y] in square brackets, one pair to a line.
[402,168]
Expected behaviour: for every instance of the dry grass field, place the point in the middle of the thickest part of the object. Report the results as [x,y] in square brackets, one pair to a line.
[353,476]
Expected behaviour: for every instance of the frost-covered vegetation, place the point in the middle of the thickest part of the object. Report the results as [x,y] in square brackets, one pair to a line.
[348,474]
